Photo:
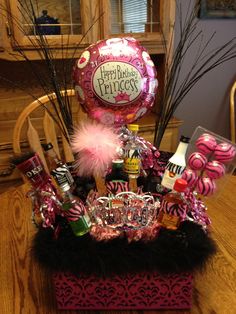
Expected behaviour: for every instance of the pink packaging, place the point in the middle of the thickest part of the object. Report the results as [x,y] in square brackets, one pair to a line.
[142,291]
[210,158]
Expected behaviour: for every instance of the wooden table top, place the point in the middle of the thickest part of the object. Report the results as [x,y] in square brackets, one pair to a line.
[27,289]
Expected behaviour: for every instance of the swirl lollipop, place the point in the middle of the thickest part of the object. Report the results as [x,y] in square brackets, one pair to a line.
[215,169]
[205,186]
[224,152]
[197,161]
[206,143]
[190,176]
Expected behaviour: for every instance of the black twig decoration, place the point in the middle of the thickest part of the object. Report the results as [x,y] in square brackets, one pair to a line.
[53,79]
[177,84]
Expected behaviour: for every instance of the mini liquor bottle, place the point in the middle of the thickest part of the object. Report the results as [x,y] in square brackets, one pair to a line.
[173,206]
[75,212]
[176,164]
[52,159]
[117,180]
[132,157]
[73,208]
[56,165]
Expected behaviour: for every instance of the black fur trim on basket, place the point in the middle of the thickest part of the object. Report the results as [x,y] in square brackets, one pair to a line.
[186,249]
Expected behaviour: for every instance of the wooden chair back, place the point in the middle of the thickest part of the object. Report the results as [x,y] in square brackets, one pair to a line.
[35,126]
[232,112]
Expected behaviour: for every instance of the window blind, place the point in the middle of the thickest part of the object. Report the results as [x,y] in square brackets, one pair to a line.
[128,16]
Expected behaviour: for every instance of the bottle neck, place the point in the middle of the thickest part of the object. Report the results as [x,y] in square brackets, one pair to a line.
[179,155]
[53,158]
[134,134]
[174,197]
[117,168]
[182,148]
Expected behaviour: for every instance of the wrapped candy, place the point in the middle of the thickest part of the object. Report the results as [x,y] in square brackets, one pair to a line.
[205,186]
[224,152]
[197,209]
[190,176]
[197,161]
[211,157]
[215,169]
[206,143]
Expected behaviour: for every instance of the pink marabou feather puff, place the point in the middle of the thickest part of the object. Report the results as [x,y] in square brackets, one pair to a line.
[96,146]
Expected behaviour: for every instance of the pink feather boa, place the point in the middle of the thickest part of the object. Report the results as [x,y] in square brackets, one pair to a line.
[96,146]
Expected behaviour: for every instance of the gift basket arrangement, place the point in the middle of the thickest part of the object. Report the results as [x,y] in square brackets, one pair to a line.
[125,226]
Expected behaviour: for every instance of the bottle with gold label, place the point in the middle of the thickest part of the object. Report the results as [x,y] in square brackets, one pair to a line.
[173,206]
[132,156]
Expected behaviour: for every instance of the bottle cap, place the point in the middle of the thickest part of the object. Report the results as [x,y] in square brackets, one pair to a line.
[180,185]
[184,139]
[117,161]
[133,127]
[47,146]
[117,164]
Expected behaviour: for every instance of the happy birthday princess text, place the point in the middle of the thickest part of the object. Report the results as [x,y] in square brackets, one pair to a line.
[119,79]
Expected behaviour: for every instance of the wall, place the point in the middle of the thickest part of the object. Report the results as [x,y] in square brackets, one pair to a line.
[207,104]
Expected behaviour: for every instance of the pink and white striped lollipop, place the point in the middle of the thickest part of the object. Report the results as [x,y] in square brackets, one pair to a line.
[206,143]
[224,152]
[197,161]
[205,186]
[190,176]
[215,169]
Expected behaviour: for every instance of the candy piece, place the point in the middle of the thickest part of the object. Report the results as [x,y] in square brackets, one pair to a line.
[206,143]
[205,186]
[190,176]
[215,169]
[224,152]
[197,161]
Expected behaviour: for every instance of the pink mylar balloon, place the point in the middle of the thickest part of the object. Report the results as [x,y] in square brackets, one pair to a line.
[115,81]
